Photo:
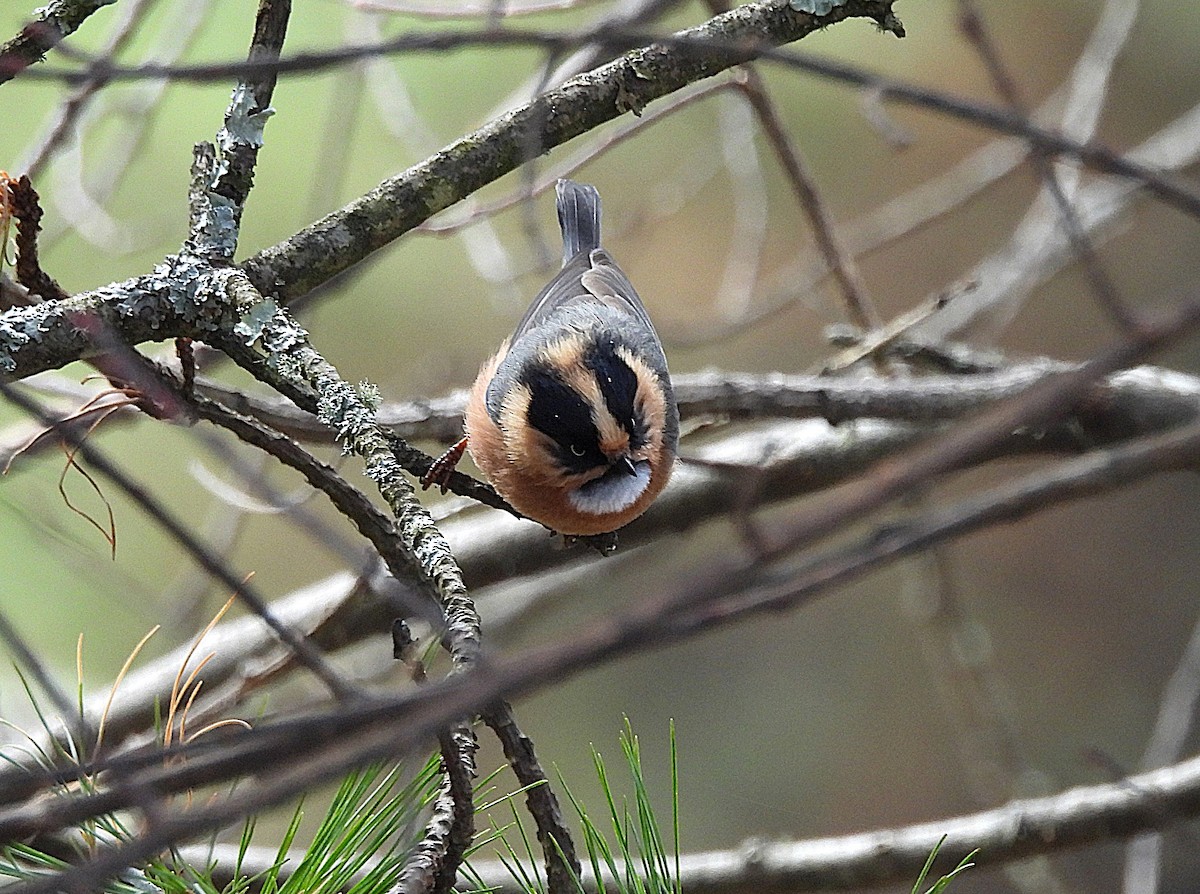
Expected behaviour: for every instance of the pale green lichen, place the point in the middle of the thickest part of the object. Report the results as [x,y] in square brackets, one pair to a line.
[244,123]
[218,225]
[383,469]
[341,409]
[283,334]
[255,320]
[816,7]
[441,194]
[369,394]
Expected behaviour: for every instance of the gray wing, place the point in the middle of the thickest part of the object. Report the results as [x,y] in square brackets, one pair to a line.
[586,278]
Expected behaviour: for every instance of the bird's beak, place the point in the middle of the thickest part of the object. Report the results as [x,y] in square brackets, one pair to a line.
[625,464]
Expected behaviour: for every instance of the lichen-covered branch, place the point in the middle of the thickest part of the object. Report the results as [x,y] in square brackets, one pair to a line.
[277,350]
[433,866]
[241,136]
[168,301]
[172,300]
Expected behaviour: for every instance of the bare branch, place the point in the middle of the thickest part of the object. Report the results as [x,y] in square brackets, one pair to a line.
[1102,286]
[52,22]
[558,849]
[349,736]
[397,205]
[1014,831]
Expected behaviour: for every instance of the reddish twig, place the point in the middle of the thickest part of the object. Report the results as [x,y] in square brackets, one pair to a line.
[27,212]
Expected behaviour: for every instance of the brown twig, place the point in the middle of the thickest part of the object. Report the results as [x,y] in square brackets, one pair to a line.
[56,20]
[1105,290]
[73,107]
[558,849]
[455,219]
[838,261]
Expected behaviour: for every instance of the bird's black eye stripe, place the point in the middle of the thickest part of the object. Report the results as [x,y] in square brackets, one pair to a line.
[557,410]
[618,384]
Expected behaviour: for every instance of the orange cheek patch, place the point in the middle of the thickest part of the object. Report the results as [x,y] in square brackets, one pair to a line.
[649,399]
[483,437]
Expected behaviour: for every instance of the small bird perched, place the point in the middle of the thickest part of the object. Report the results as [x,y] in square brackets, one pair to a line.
[573,421]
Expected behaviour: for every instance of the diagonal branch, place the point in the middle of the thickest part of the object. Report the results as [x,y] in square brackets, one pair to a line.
[295,368]
[397,205]
[54,21]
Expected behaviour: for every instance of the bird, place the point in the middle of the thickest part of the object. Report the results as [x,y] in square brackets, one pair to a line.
[573,421]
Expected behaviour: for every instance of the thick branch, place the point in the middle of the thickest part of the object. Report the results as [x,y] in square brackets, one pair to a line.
[1014,831]
[397,205]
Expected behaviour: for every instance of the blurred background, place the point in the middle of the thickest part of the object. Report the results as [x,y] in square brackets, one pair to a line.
[845,715]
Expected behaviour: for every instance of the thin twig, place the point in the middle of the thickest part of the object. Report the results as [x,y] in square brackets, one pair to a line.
[838,261]
[558,848]
[213,564]
[132,15]
[241,136]
[1102,286]
[349,500]
[56,20]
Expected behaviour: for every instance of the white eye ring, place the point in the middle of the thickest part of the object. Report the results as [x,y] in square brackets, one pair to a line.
[576,450]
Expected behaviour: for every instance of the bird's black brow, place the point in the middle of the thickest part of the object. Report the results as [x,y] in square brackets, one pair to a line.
[559,412]
[618,383]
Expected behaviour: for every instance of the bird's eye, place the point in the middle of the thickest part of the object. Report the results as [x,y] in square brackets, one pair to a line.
[576,450]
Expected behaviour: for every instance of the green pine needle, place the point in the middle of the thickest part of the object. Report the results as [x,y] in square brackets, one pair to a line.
[629,850]
[942,883]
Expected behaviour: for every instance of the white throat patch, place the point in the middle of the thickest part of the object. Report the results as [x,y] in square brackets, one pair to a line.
[612,492]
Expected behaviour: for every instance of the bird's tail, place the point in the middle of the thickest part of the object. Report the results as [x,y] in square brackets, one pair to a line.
[579,217]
